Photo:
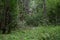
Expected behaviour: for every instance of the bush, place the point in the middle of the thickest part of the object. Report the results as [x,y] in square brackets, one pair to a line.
[54,14]
[34,20]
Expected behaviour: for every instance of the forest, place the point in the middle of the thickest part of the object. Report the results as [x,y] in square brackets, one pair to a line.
[29,20]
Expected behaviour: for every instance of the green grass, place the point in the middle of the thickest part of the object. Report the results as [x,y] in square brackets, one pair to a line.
[35,33]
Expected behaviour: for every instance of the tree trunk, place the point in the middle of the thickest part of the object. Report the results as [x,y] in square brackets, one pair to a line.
[44,13]
[6,16]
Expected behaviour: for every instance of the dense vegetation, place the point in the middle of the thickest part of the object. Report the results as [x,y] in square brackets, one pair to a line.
[39,33]
[30,19]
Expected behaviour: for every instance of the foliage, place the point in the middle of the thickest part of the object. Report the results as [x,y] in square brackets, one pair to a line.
[34,20]
[53,12]
[31,12]
[35,33]
[13,12]
[8,14]
[52,8]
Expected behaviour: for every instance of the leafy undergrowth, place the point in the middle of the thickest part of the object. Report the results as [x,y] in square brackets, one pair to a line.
[35,33]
